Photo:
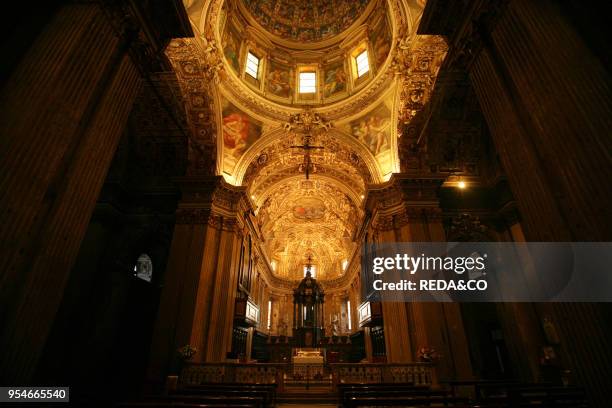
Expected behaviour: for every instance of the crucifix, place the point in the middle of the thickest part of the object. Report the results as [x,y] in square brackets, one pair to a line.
[309,265]
[307,164]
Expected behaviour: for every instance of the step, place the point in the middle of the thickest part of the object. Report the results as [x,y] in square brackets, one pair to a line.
[311,396]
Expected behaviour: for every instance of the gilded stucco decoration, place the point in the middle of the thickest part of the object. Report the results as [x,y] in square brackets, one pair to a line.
[252,126]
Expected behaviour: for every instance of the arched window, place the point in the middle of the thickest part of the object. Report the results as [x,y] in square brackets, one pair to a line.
[144,268]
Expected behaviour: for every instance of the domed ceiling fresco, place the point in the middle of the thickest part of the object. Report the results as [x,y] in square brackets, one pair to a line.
[305,20]
[307,203]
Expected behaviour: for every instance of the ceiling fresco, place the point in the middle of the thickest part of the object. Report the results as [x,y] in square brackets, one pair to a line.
[305,20]
[302,218]
[262,123]
[279,64]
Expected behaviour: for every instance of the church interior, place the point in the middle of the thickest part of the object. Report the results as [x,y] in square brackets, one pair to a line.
[187,186]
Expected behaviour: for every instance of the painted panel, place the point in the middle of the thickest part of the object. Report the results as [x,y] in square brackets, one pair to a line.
[240,130]
[334,80]
[380,40]
[278,80]
[374,129]
[231,46]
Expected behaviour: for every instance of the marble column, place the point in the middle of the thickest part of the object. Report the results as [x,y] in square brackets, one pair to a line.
[536,71]
[545,96]
[197,304]
[406,209]
[62,114]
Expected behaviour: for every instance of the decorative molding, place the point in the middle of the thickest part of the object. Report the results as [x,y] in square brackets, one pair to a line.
[467,228]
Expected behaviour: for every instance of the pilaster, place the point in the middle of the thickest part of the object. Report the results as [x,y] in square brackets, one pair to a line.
[197,304]
[406,209]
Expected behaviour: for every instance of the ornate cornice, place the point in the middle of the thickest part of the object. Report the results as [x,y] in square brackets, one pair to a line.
[144,34]
[403,188]
[206,198]
[402,199]
[463,23]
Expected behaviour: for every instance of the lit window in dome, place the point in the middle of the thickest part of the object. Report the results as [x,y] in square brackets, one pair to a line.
[308,82]
[252,65]
[363,66]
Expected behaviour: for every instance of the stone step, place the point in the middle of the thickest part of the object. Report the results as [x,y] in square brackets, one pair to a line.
[303,396]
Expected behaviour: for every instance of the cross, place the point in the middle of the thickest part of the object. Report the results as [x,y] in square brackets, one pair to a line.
[307,148]
[309,265]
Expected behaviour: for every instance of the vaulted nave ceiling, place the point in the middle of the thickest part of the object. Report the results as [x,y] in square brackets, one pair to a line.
[247,63]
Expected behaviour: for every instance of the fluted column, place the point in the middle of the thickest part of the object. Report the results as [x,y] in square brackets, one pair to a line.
[223,298]
[197,304]
[546,99]
[558,94]
[414,216]
[61,116]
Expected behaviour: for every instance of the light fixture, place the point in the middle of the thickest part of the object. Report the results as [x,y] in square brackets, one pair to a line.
[461,184]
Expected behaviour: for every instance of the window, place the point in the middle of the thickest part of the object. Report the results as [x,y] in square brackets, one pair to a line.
[313,270]
[144,268]
[348,311]
[308,82]
[252,65]
[269,314]
[363,66]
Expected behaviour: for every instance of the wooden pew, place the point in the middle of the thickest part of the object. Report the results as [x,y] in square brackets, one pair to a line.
[407,401]
[268,391]
[353,395]
[212,398]
[350,387]
[213,395]
[157,404]
[529,395]
[478,386]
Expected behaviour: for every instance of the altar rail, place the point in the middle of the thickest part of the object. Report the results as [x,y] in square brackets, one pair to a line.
[419,374]
[258,373]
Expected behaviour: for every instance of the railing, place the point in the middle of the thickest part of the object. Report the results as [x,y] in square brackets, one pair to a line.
[420,374]
[259,373]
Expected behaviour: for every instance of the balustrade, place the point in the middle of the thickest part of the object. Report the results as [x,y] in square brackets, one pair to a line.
[418,374]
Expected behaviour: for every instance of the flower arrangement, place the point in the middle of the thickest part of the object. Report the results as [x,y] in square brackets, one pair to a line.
[186,352]
[428,354]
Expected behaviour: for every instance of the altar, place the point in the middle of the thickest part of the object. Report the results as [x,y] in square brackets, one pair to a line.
[308,363]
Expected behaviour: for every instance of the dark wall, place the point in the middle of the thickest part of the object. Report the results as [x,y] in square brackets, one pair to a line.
[101,337]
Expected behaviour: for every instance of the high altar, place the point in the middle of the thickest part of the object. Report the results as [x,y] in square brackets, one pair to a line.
[308,363]
[308,300]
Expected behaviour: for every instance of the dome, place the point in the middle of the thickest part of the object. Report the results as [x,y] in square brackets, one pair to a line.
[305,52]
[305,20]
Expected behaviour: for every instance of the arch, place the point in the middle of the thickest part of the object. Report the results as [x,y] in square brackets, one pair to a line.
[269,139]
[337,183]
